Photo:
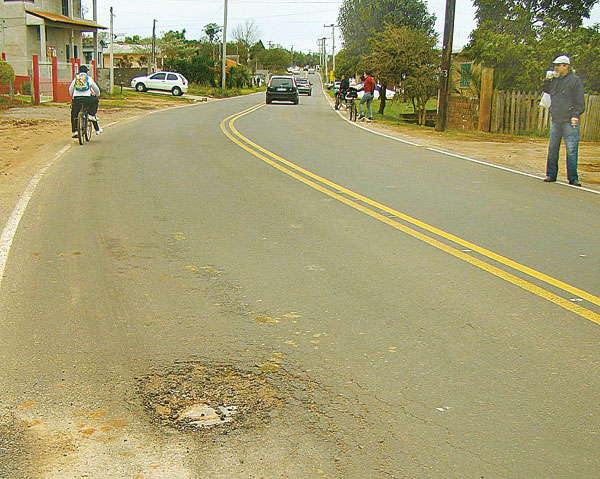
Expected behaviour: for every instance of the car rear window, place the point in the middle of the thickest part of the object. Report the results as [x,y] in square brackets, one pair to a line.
[171,76]
[277,82]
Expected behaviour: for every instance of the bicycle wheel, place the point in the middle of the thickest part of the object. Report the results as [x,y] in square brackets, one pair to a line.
[88,129]
[81,127]
[337,102]
[353,112]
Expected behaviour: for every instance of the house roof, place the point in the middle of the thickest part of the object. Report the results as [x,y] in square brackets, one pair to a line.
[131,49]
[62,19]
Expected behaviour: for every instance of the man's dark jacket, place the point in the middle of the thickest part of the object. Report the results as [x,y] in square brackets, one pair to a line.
[567,97]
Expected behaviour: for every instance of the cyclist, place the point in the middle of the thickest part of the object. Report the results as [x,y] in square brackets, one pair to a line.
[341,92]
[84,91]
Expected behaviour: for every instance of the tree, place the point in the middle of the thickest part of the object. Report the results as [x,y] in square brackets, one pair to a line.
[212,31]
[246,35]
[238,77]
[173,43]
[7,76]
[360,20]
[510,15]
[581,44]
[275,59]
[196,68]
[407,59]
[343,65]
[134,39]
[520,38]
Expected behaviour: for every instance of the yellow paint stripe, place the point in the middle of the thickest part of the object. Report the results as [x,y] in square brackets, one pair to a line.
[545,294]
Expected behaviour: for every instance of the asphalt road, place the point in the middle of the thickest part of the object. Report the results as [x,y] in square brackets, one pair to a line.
[373,309]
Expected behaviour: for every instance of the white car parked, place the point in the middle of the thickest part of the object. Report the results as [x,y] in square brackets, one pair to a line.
[167,81]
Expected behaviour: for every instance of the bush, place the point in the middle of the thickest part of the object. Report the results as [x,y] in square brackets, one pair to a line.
[197,68]
[7,74]
[26,88]
[238,77]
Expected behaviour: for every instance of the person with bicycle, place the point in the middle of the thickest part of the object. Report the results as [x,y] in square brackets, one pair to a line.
[85,92]
[369,89]
[341,92]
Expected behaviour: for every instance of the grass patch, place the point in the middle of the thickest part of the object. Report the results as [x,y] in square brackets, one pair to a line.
[216,92]
[19,100]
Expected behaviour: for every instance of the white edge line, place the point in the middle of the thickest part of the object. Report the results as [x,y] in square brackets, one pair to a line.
[485,163]
[507,169]
[10,229]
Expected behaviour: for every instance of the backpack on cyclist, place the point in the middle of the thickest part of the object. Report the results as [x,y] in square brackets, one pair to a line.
[82,82]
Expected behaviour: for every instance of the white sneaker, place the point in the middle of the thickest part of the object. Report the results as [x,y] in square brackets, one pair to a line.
[99,131]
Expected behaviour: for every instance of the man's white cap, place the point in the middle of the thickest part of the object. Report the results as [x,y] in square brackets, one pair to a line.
[563,59]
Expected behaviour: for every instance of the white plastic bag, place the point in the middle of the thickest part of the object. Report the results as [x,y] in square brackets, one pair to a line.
[546,100]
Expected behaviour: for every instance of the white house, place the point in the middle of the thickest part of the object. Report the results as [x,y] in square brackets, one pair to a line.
[42,27]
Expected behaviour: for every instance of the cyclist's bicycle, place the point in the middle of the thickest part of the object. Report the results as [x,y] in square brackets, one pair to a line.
[338,99]
[348,101]
[350,98]
[84,125]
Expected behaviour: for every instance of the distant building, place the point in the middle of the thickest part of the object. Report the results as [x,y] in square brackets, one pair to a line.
[127,55]
[48,28]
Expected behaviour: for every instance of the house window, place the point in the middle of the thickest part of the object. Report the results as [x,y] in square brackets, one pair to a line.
[65,8]
[68,50]
[465,75]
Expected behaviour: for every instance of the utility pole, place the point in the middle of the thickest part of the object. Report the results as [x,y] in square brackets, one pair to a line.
[95,12]
[440,124]
[332,26]
[224,64]
[112,66]
[292,57]
[324,57]
[3,31]
[153,62]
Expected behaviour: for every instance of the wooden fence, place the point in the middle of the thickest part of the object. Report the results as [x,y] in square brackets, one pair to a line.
[515,112]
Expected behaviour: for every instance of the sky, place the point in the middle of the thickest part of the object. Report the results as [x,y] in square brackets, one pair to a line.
[293,24]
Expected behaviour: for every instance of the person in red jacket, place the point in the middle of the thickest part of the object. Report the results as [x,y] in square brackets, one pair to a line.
[369,89]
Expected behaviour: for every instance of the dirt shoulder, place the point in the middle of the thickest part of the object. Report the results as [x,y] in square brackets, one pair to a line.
[30,137]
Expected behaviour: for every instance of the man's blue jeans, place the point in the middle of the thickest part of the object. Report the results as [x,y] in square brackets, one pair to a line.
[559,131]
[367,97]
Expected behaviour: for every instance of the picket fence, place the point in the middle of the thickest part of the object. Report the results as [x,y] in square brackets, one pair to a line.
[516,112]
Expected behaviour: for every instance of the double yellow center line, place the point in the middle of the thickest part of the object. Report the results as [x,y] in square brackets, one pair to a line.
[376,210]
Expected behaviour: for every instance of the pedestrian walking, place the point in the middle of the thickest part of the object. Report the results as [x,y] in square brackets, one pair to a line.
[566,107]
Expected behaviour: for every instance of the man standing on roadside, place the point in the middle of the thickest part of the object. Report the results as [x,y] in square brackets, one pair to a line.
[368,87]
[567,105]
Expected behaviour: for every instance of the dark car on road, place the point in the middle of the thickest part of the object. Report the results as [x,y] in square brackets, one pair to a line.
[304,86]
[282,88]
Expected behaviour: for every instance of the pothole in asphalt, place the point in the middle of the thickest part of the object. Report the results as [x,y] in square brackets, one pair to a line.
[198,396]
